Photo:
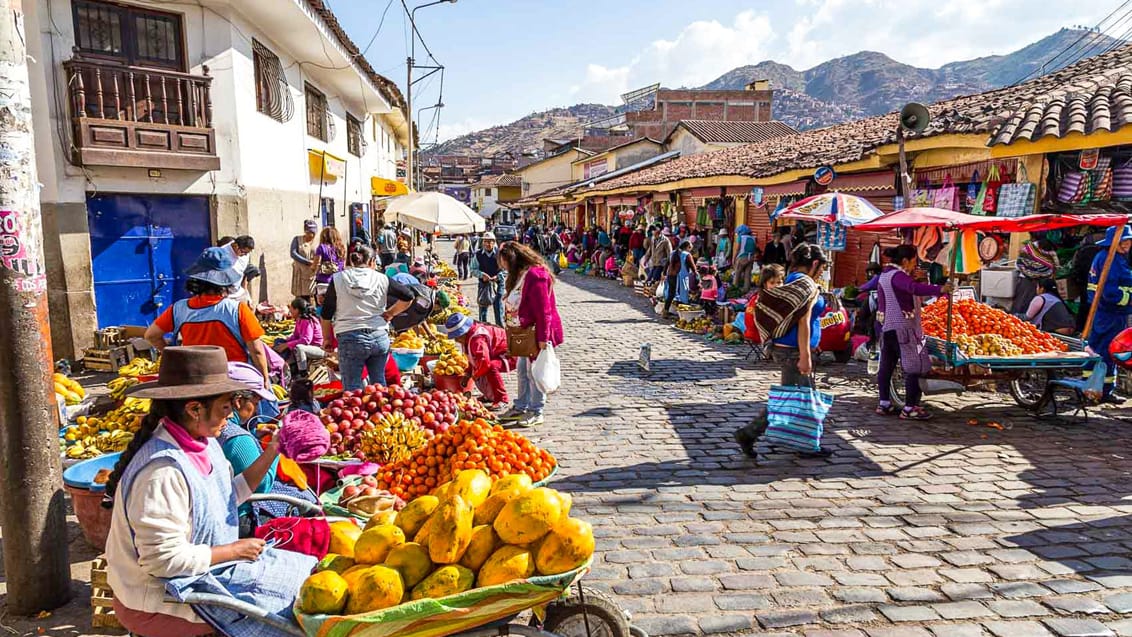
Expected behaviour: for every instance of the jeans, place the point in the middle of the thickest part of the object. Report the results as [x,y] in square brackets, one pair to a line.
[787,359]
[638,254]
[889,359]
[304,353]
[463,261]
[530,398]
[365,349]
[670,285]
[655,272]
[497,306]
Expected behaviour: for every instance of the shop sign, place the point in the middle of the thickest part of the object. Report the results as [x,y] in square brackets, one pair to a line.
[1088,159]
[595,168]
[824,175]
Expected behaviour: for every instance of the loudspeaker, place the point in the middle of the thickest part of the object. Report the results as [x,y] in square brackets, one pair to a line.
[915,117]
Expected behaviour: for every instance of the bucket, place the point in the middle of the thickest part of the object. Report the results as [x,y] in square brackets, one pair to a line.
[93,518]
[452,384]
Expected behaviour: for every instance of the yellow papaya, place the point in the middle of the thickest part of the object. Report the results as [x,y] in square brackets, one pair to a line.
[343,535]
[489,510]
[382,518]
[451,530]
[411,561]
[473,485]
[444,581]
[521,481]
[480,547]
[374,545]
[333,562]
[324,593]
[568,545]
[528,517]
[375,588]
[416,513]
[508,564]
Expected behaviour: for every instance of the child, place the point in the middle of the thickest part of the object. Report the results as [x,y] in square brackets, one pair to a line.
[305,342]
[302,396]
[770,277]
[709,286]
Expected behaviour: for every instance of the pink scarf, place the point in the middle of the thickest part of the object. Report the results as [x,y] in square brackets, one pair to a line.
[195,449]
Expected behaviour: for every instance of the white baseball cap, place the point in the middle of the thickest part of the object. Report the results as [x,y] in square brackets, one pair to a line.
[488,236]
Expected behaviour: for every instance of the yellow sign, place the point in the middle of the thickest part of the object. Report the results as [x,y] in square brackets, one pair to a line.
[386,187]
[325,166]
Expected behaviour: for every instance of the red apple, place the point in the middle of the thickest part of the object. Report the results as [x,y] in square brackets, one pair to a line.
[336,437]
[358,423]
[335,412]
[398,403]
[339,403]
[372,407]
[369,481]
[354,402]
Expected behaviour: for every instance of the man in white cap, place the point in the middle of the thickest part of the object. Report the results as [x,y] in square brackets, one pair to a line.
[490,292]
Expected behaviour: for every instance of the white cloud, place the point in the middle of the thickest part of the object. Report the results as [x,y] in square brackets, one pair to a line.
[448,130]
[702,51]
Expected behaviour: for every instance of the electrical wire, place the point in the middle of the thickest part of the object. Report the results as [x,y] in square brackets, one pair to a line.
[1050,62]
[1100,42]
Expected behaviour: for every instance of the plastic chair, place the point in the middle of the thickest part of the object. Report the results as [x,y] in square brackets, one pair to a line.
[1082,388]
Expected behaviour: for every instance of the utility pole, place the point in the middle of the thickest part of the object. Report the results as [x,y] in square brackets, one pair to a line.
[32,508]
[409,65]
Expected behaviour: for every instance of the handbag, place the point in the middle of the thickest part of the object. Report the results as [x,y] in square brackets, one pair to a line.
[920,198]
[1101,185]
[947,196]
[796,417]
[521,341]
[485,295]
[1017,199]
[1074,186]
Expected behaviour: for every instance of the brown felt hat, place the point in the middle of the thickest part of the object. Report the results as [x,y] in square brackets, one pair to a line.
[189,372]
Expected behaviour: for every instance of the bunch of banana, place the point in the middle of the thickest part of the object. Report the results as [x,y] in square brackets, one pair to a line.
[441,345]
[279,328]
[119,385]
[444,271]
[392,439]
[139,367]
[72,392]
[103,442]
[451,363]
[280,393]
[408,340]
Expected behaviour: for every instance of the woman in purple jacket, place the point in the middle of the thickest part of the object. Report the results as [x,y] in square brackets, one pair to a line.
[902,335]
[529,301]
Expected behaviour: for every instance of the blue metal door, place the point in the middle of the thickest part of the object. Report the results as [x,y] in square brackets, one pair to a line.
[140,247]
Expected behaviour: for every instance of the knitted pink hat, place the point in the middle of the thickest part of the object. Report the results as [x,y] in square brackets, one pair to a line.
[302,437]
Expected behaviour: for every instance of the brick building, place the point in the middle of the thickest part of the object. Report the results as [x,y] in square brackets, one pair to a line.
[672,105]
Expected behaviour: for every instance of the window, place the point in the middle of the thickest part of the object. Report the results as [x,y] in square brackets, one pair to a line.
[272,96]
[317,115]
[355,143]
[128,35]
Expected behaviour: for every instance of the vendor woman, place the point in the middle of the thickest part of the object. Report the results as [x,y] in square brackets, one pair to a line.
[1115,303]
[486,348]
[174,517]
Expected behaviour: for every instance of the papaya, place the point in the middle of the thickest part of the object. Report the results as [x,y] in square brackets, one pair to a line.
[382,518]
[567,503]
[480,547]
[441,492]
[351,574]
[324,593]
[511,481]
[530,516]
[343,535]
[508,564]
[416,513]
[489,510]
[473,485]
[333,562]
[568,545]
[451,530]
[444,581]
[422,536]
[374,545]
[375,588]
[411,561]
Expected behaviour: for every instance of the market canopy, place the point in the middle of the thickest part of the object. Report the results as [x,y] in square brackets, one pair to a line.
[830,207]
[434,212]
[951,220]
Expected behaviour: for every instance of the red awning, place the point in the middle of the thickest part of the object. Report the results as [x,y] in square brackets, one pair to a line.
[865,182]
[705,193]
[783,190]
[951,220]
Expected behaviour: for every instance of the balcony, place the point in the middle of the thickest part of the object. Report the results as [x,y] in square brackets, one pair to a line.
[140,117]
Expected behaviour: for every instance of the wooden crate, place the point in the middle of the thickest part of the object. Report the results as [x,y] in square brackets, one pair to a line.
[101,596]
[107,360]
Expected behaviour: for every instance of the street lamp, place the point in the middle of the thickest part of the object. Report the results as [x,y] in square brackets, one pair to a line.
[409,84]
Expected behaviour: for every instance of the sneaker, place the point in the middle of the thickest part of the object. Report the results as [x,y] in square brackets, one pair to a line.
[822,452]
[513,414]
[1113,399]
[532,420]
[915,413]
[890,410]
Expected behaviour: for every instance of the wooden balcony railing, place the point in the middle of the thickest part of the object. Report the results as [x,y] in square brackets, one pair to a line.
[132,116]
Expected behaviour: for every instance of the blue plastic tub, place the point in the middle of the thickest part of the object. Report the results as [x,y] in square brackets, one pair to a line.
[81,475]
[407,359]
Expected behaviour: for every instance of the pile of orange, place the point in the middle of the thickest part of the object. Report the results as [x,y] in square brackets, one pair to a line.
[470,444]
[972,318]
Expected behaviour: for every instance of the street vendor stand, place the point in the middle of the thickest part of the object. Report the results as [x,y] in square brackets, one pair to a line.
[1029,376]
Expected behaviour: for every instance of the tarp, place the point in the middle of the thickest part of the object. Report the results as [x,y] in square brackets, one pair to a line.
[951,220]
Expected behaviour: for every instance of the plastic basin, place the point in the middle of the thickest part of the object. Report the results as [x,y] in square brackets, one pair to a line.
[86,497]
[407,359]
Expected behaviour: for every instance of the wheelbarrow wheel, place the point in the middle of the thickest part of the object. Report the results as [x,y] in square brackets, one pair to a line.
[568,617]
[1030,389]
[896,388]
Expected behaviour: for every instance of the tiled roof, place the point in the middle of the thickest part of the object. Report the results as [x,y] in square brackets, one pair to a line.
[1091,95]
[387,87]
[500,181]
[729,132]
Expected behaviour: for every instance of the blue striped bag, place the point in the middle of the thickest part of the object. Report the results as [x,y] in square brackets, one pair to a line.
[795,416]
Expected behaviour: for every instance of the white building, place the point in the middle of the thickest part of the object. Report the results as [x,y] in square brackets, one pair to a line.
[161,127]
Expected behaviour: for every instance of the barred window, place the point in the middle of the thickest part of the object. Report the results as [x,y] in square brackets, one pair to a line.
[272,96]
[355,141]
[317,114]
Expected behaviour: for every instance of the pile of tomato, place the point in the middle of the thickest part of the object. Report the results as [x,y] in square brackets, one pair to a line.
[470,444]
[972,318]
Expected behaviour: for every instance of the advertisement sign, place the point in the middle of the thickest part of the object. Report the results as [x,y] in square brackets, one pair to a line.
[595,168]
[463,194]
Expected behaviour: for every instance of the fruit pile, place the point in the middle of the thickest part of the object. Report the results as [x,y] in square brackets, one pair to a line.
[392,438]
[119,385]
[72,392]
[279,328]
[439,345]
[978,323]
[700,325]
[441,314]
[91,436]
[471,534]
[451,363]
[139,367]
[352,415]
[443,270]
[471,444]
[408,340]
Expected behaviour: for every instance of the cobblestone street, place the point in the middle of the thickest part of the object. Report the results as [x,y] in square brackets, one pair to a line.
[912,529]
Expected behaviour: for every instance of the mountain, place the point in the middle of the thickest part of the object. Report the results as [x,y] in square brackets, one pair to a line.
[839,90]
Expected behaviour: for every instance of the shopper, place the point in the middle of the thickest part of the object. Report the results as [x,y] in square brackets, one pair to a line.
[302,260]
[329,259]
[387,244]
[775,251]
[637,243]
[356,312]
[486,348]
[490,290]
[658,254]
[240,249]
[211,316]
[174,501]
[305,342]
[1115,303]
[902,334]
[722,250]
[463,249]
[530,302]
[744,259]
[1048,312]
[681,275]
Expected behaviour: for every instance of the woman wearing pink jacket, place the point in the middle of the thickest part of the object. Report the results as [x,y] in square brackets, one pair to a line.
[529,301]
[305,342]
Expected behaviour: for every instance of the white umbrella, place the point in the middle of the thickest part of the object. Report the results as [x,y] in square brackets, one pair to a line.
[435,212]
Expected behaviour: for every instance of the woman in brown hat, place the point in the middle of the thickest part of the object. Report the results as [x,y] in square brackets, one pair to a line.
[174,527]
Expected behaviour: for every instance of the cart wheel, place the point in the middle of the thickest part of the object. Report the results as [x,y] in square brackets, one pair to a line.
[568,616]
[1029,390]
[896,388]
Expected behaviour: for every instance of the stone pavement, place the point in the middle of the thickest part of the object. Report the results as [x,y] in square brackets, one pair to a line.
[911,529]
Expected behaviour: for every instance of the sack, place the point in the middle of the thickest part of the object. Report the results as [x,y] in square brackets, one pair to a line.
[485,295]
[1122,181]
[796,417]
[947,197]
[546,373]
[521,342]
[1017,199]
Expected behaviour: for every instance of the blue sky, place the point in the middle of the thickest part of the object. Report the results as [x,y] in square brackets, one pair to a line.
[507,58]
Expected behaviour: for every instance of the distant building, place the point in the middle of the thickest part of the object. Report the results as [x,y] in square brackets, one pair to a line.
[673,105]
[550,172]
[626,154]
[695,136]
[492,194]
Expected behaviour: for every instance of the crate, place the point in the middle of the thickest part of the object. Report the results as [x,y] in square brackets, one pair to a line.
[101,596]
[107,360]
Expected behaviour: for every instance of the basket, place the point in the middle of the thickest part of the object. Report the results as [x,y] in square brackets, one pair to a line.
[406,359]
[689,315]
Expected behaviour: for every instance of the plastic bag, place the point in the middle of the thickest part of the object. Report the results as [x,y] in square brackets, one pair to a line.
[546,371]
[562,263]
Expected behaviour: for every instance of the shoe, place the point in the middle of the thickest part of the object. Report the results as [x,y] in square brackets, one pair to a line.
[532,420]
[915,413]
[822,452]
[746,441]
[1113,399]
[513,414]
[890,410]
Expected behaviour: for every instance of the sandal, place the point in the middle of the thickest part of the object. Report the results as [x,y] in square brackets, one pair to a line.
[915,413]
[891,410]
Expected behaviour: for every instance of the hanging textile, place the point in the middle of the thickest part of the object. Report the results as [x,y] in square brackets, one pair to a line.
[966,257]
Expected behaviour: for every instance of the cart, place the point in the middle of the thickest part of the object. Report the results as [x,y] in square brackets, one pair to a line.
[1029,377]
